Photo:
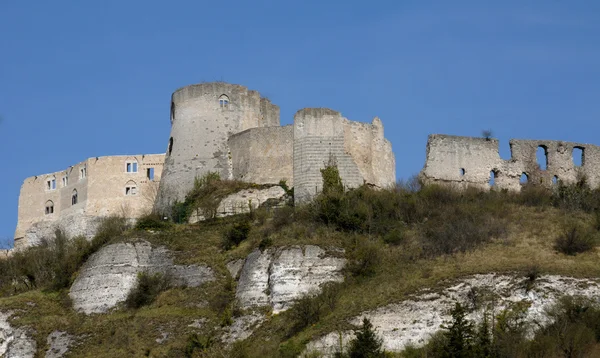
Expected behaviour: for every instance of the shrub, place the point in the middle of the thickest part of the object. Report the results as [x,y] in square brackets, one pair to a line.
[147,288]
[237,233]
[152,222]
[575,239]
[364,259]
[306,311]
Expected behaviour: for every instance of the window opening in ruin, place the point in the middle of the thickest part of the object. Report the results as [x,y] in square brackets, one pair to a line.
[132,167]
[542,157]
[578,156]
[150,173]
[462,172]
[170,149]
[51,184]
[74,197]
[65,181]
[224,101]
[524,178]
[49,207]
[555,180]
[82,173]
[493,176]
[172,112]
[130,190]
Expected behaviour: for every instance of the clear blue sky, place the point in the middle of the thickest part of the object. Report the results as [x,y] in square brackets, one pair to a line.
[88,78]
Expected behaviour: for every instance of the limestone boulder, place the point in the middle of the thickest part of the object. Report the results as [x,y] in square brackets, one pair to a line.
[111,273]
[15,342]
[277,277]
[244,201]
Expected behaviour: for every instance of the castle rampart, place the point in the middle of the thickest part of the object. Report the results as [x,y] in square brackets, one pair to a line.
[470,161]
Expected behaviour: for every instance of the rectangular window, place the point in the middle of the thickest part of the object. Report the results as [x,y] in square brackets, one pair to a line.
[130,190]
[51,184]
[150,173]
[132,167]
[65,181]
[82,173]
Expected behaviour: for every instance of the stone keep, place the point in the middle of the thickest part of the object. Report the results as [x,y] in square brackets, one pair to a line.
[203,117]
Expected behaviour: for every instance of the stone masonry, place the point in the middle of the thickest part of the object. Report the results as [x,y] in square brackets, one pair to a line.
[215,127]
[476,162]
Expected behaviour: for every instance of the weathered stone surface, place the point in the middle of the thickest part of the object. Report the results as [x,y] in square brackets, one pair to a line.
[243,327]
[234,267]
[14,342]
[59,343]
[414,321]
[110,274]
[469,161]
[278,277]
[244,201]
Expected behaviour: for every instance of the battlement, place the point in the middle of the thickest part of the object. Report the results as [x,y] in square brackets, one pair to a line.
[471,161]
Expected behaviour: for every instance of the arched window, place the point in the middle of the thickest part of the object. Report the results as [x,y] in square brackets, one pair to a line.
[49,207]
[74,197]
[524,179]
[223,101]
[130,188]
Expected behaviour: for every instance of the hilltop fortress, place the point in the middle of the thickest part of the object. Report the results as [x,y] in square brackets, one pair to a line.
[215,127]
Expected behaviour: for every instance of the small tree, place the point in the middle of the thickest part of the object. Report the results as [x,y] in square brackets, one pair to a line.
[366,344]
[460,334]
[487,134]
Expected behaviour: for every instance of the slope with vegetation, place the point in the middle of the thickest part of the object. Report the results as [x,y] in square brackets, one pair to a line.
[396,242]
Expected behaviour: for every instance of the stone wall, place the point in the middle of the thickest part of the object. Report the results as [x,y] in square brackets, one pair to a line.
[476,162]
[359,150]
[263,155]
[203,117]
[101,192]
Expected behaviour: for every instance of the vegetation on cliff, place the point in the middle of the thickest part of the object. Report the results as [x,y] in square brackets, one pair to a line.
[396,240]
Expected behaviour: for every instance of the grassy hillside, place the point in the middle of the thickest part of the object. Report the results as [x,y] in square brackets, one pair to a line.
[397,241]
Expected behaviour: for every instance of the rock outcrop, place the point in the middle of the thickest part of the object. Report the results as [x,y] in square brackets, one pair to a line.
[111,273]
[14,342]
[412,322]
[245,200]
[277,277]
[59,343]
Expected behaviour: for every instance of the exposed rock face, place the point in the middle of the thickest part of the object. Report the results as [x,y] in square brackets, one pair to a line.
[59,343]
[72,225]
[412,322]
[243,327]
[278,277]
[14,342]
[111,273]
[245,200]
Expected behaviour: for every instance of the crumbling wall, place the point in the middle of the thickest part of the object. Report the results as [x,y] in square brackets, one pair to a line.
[476,162]
[319,141]
[263,155]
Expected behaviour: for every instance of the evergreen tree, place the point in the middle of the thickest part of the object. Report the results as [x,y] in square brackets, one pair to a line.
[366,344]
[459,334]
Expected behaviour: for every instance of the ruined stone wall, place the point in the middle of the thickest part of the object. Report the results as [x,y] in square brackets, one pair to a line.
[263,155]
[100,192]
[322,136]
[371,152]
[201,125]
[469,161]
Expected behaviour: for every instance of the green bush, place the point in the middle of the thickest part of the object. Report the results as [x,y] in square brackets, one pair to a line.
[364,259]
[147,288]
[152,222]
[575,239]
[237,233]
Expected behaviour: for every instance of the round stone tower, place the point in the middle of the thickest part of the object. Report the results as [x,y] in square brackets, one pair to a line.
[203,116]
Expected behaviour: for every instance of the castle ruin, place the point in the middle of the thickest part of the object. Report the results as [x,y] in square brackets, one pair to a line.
[475,162]
[215,127]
